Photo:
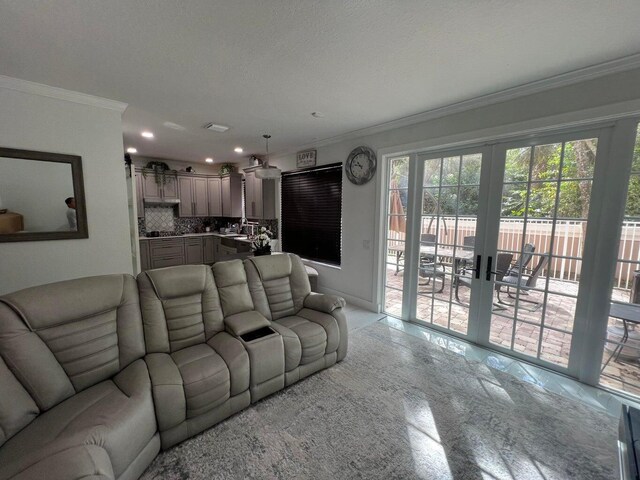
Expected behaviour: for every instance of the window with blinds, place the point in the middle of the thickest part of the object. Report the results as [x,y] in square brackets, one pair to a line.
[311,204]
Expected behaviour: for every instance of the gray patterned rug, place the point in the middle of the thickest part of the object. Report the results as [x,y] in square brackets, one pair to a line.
[399,407]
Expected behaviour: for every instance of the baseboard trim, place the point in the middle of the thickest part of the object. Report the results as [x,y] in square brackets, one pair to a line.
[351,300]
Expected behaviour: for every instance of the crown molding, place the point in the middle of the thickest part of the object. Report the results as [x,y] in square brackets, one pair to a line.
[33,88]
[576,76]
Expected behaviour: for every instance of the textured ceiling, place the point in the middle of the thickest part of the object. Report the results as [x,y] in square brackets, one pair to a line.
[264,66]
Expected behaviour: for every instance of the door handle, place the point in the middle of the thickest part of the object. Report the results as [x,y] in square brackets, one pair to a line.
[476,268]
[489,272]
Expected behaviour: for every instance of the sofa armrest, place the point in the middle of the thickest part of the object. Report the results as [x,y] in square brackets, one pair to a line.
[245,322]
[134,379]
[168,390]
[323,302]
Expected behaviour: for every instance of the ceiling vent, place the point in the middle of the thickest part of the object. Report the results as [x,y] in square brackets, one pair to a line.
[215,128]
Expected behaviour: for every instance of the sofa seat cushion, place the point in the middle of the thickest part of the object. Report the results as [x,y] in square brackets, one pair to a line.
[116,415]
[83,462]
[313,338]
[205,377]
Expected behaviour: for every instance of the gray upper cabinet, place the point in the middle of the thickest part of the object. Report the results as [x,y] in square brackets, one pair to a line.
[232,195]
[214,186]
[156,192]
[260,199]
[185,191]
[200,198]
[193,196]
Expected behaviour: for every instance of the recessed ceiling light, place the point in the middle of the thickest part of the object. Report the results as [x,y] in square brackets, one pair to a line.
[147,134]
[238,150]
[209,160]
[132,150]
[174,126]
[317,114]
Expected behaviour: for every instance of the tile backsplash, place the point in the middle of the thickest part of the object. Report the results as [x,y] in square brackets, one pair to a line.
[159,218]
[164,220]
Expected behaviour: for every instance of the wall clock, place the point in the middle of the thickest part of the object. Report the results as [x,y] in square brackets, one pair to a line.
[361,165]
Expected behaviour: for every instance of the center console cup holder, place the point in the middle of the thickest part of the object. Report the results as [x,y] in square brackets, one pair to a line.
[257,334]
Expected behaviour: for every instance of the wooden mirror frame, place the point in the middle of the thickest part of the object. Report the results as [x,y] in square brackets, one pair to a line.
[78,192]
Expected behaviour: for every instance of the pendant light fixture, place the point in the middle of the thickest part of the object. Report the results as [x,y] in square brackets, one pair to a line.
[267,172]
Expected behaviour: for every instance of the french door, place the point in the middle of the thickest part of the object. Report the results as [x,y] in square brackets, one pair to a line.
[488,243]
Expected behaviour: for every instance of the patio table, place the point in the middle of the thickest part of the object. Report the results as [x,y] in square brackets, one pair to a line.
[628,313]
[443,253]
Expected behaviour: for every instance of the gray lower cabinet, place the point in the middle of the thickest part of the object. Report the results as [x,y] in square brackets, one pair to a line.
[209,249]
[193,251]
[166,252]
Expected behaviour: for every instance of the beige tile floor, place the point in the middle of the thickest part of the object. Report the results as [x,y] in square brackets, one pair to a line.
[530,336]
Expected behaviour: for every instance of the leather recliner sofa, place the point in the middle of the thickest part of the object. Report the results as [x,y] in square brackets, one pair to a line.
[97,374]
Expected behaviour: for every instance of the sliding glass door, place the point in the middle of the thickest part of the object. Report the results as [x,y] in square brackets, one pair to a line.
[492,244]
[543,193]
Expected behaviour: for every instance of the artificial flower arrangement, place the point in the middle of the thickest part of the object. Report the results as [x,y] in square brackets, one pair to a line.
[261,242]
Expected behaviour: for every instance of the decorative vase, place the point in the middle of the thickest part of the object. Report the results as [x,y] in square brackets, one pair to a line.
[262,251]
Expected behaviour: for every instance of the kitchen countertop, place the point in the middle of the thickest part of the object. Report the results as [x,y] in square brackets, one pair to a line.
[205,234]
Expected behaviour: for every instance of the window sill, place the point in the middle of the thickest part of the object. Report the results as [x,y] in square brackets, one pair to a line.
[314,263]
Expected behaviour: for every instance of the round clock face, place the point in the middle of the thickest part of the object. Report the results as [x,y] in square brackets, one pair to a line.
[361,165]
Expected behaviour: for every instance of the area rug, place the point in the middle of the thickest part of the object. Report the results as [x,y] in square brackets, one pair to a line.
[399,407]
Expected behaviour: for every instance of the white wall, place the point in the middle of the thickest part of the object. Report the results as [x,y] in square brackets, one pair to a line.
[39,122]
[37,191]
[356,278]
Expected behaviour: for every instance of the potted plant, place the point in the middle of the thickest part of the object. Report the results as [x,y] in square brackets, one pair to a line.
[227,168]
[261,242]
[160,169]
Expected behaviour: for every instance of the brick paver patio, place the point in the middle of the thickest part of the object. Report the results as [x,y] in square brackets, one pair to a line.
[623,374]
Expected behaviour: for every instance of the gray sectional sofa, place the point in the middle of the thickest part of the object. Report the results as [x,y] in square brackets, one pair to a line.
[98,374]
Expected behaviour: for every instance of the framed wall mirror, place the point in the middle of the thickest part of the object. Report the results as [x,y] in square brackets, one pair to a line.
[41,196]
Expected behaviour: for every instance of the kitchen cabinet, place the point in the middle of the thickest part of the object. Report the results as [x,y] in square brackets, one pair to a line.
[166,252]
[157,192]
[139,195]
[210,249]
[260,196]
[193,196]
[193,251]
[214,191]
[232,195]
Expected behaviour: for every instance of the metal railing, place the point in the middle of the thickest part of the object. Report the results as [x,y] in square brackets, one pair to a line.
[566,260]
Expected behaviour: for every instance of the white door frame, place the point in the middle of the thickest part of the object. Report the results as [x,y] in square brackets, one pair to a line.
[611,175]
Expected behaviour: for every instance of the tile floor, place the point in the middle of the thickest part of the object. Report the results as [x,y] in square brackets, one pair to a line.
[551,381]
[441,308]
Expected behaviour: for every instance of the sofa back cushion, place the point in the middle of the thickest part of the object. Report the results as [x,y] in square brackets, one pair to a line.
[278,283]
[180,307]
[17,408]
[233,288]
[61,338]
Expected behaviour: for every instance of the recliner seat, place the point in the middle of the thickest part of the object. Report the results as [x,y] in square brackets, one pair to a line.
[76,397]
[199,373]
[313,326]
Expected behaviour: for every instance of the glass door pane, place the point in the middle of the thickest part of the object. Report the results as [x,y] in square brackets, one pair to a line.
[448,221]
[397,197]
[620,367]
[546,192]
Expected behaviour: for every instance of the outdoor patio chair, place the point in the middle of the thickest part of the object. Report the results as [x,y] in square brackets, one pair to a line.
[503,262]
[524,282]
[469,244]
[429,268]
[523,260]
